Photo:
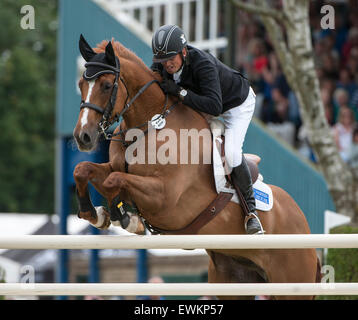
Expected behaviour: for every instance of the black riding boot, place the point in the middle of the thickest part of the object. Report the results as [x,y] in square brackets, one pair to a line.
[242,179]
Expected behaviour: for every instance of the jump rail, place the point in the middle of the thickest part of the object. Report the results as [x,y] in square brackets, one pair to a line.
[179,289]
[275,241]
[271,241]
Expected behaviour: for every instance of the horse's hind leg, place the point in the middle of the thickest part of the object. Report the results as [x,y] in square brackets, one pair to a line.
[294,266]
[95,173]
[226,269]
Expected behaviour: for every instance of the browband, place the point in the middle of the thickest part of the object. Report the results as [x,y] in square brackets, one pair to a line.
[104,65]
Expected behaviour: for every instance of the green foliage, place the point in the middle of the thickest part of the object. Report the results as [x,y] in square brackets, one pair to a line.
[2,279]
[344,262]
[27,107]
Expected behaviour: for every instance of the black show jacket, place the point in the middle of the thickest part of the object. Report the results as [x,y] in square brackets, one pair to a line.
[212,86]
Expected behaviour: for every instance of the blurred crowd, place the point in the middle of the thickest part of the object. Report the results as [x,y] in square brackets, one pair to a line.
[336,62]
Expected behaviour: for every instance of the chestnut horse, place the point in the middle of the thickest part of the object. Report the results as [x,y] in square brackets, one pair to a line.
[170,196]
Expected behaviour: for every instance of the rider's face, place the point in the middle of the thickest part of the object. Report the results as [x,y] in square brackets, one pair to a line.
[173,64]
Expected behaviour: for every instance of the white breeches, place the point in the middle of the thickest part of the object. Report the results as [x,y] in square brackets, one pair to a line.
[236,121]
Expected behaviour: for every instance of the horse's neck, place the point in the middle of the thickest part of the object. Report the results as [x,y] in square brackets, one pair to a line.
[149,103]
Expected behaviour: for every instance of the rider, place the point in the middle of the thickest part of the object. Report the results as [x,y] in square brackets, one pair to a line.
[205,84]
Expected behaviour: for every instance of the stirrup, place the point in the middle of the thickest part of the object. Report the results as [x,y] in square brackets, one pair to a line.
[252,215]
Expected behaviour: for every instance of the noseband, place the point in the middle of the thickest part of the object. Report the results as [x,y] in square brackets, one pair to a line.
[105,123]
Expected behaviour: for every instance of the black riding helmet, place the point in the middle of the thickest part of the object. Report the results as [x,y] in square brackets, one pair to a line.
[167,41]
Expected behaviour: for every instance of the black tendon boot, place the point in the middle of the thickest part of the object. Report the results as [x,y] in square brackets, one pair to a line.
[118,213]
[242,179]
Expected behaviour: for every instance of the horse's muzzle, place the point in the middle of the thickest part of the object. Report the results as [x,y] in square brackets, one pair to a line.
[85,139]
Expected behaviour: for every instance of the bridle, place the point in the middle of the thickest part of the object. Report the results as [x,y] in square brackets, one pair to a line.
[106,123]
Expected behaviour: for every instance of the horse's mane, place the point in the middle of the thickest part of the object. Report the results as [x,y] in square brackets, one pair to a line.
[122,52]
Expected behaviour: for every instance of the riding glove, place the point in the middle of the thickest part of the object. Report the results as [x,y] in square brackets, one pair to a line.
[170,87]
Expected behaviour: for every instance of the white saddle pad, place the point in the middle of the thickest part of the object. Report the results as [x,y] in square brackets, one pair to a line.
[263,193]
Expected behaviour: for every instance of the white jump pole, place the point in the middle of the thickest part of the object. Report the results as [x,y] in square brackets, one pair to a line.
[180,289]
[271,241]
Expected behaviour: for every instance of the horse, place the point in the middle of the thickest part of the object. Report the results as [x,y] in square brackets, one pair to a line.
[170,196]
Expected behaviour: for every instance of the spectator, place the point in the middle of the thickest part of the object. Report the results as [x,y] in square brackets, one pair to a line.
[270,75]
[274,90]
[329,43]
[352,63]
[281,104]
[343,131]
[346,82]
[257,59]
[329,84]
[352,159]
[354,102]
[353,11]
[341,32]
[340,100]
[350,43]
[280,123]
[327,105]
[336,63]
[247,30]
[330,65]
[319,51]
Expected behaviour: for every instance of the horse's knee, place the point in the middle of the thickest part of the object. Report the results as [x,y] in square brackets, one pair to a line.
[82,171]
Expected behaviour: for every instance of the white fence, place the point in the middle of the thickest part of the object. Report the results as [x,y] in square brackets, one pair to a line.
[269,241]
[199,19]
[181,241]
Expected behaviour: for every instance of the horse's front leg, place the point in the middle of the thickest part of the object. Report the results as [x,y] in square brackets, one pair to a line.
[96,174]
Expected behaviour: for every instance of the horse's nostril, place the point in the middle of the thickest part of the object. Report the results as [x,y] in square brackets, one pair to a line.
[86,138]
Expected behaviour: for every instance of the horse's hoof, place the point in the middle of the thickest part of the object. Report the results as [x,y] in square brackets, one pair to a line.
[140,228]
[103,219]
[135,224]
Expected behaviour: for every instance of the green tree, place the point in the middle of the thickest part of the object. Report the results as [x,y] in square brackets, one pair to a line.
[344,262]
[2,279]
[27,107]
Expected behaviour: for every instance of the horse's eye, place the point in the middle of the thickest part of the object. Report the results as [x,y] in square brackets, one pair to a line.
[107,86]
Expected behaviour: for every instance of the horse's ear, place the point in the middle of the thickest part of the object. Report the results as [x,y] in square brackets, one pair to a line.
[85,49]
[111,57]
